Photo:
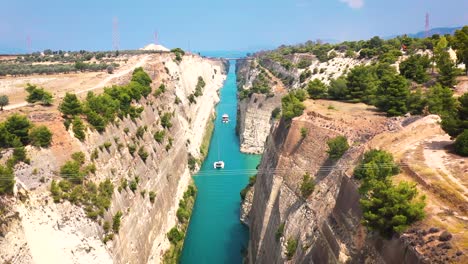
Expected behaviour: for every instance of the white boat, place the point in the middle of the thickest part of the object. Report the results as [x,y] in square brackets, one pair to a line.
[225,118]
[218,164]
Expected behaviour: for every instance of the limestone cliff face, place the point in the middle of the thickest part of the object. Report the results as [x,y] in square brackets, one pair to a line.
[254,113]
[254,117]
[61,233]
[327,223]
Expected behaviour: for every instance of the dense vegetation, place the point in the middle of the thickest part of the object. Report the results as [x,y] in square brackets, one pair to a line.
[260,85]
[15,133]
[292,105]
[177,234]
[19,69]
[100,110]
[337,147]
[387,208]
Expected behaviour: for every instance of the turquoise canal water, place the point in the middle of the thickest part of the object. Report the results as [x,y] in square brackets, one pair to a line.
[215,234]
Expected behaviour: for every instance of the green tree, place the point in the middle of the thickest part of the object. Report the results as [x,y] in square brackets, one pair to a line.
[454,123]
[392,209]
[7,181]
[416,102]
[461,144]
[441,100]
[307,185]
[291,106]
[36,94]
[166,120]
[338,88]
[3,101]
[40,136]
[70,105]
[362,84]
[141,77]
[316,89]
[18,125]
[291,247]
[337,147]
[460,43]
[71,171]
[116,222]
[447,69]
[415,68]
[78,128]
[392,95]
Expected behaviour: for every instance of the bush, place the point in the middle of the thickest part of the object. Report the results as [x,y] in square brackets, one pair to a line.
[7,181]
[279,232]
[303,63]
[38,95]
[291,106]
[70,106]
[78,128]
[337,147]
[18,126]
[291,247]
[174,235]
[116,222]
[110,69]
[79,157]
[152,196]
[71,171]
[159,136]
[307,185]
[40,136]
[166,120]
[317,89]
[143,154]
[304,132]
[4,100]
[461,144]
[251,183]
[275,114]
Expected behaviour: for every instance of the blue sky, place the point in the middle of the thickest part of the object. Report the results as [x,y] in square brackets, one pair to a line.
[214,24]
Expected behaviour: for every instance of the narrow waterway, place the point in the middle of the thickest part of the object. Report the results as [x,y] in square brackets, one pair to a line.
[215,234]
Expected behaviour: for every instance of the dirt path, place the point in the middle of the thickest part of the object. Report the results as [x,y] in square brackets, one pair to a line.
[101,84]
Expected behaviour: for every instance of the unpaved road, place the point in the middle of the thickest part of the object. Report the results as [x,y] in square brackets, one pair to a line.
[101,84]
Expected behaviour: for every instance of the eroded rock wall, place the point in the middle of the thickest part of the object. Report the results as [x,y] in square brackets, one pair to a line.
[45,232]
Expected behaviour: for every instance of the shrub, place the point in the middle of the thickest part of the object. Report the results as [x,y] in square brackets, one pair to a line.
[40,136]
[78,128]
[4,100]
[116,221]
[291,247]
[140,132]
[303,63]
[317,89]
[291,106]
[174,235]
[251,183]
[461,144]
[133,185]
[275,114]
[304,132]
[337,147]
[152,196]
[79,157]
[279,231]
[8,180]
[70,105]
[131,149]
[307,185]
[143,154]
[110,69]
[38,95]
[159,136]
[71,171]
[18,125]
[166,120]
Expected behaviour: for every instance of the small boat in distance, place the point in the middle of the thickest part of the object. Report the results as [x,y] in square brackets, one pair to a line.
[219,164]
[225,118]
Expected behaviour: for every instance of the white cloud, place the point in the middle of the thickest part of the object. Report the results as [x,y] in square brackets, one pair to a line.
[356,4]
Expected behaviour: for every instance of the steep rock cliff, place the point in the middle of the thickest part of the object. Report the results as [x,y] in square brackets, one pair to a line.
[45,232]
[327,224]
